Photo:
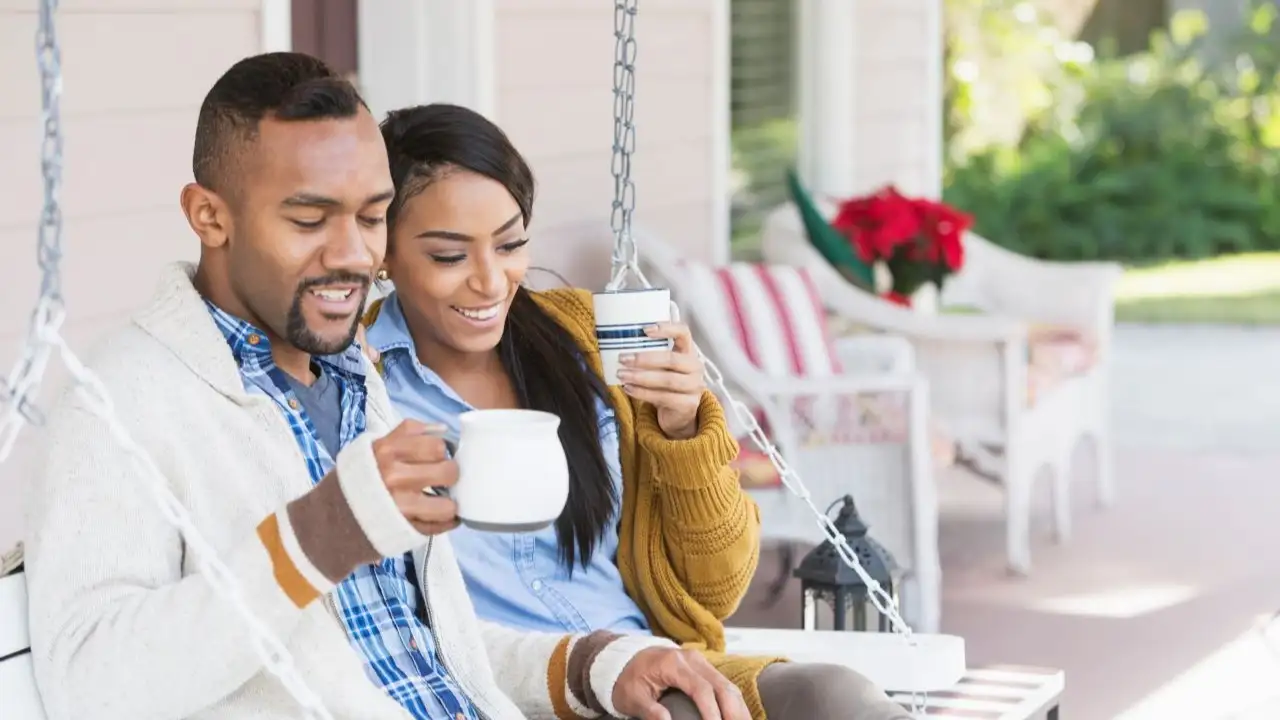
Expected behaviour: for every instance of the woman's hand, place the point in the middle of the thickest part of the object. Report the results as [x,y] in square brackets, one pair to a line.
[369,352]
[670,379]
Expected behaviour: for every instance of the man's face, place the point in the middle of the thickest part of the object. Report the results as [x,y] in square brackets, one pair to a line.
[308,228]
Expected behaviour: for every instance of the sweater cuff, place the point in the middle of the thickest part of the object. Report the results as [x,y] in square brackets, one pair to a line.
[696,461]
[348,519]
[371,504]
[612,660]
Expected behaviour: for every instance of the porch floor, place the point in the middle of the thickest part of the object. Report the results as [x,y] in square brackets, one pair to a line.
[1154,609]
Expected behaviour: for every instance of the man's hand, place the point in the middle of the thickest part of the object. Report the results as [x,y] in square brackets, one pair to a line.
[654,671]
[413,461]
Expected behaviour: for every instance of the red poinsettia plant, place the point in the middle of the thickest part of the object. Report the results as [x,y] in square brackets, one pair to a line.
[919,240]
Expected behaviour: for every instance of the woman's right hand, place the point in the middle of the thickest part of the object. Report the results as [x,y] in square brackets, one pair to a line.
[413,462]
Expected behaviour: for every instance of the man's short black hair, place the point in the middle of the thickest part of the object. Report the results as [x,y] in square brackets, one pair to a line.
[283,85]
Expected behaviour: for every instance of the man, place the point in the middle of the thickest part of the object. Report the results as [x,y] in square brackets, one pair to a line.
[242,382]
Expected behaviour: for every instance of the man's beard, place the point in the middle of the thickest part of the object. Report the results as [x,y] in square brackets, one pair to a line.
[300,336]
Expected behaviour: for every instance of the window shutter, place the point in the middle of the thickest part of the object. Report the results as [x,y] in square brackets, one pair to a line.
[763,101]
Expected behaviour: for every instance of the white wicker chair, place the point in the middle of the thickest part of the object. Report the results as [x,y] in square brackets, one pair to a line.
[891,481]
[978,365]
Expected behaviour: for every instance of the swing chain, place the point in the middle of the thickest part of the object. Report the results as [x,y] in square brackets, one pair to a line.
[626,259]
[883,602]
[20,388]
[625,253]
[49,239]
[626,262]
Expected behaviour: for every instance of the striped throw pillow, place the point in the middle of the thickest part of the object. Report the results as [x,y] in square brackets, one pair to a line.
[775,314]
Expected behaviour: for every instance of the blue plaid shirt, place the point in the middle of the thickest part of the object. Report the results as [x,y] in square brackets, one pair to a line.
[378,603]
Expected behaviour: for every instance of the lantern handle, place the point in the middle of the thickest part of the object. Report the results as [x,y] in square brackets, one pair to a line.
[848,502]
[837,502]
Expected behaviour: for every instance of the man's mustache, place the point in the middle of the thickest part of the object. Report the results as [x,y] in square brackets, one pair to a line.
[337,278]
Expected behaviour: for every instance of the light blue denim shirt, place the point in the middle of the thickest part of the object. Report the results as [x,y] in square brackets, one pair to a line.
[514,579]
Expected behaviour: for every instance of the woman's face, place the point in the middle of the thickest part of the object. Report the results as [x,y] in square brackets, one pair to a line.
[457,255]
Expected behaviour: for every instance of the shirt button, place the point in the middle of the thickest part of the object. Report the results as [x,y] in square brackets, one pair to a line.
[293,403]
[413,643]
[537,586]
[254,338]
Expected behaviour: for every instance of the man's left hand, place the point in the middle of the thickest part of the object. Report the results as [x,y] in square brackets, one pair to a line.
[654,671]
[670,379]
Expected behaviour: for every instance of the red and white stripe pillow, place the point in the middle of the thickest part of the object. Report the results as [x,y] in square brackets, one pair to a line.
[775,313]
[778,319]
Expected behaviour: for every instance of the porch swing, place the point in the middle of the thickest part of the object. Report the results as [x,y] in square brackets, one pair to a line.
[902,661]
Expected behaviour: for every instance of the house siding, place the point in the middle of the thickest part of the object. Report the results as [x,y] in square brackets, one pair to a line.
[134,75]
[895,140]
[553,97]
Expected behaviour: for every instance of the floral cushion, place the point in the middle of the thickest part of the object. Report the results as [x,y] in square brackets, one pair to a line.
[757,471]
[1055,355]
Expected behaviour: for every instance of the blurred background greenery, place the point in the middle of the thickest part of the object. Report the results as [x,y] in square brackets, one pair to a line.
[1135,133]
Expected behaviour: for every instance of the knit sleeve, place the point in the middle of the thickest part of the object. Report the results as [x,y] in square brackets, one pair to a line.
[562,676]
[711,528]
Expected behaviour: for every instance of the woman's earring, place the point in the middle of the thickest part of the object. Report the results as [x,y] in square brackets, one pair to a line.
[382,275]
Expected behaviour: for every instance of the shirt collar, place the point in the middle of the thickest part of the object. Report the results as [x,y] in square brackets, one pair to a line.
[390,331]
[250,346]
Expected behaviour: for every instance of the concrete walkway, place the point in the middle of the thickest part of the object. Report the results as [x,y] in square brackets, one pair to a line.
[1197,388]
[1152,610]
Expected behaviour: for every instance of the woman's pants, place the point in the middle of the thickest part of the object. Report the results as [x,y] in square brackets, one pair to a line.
[798,691]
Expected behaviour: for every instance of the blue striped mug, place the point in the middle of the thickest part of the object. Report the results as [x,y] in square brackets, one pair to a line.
[621,317]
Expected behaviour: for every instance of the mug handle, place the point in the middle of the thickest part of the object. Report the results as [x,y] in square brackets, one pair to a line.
[451,447]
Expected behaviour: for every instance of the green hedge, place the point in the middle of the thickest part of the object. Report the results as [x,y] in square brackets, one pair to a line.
[1142,158]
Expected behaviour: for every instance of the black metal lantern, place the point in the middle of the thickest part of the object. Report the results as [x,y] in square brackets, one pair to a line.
[825,576]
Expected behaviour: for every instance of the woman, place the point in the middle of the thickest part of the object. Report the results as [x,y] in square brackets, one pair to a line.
[656,536]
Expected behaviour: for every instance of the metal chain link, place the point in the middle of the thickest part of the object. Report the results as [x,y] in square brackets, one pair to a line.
[883,602]
[626,261]
[22,385]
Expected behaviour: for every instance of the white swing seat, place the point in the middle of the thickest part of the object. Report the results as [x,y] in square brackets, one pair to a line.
[935,662]
[18,695]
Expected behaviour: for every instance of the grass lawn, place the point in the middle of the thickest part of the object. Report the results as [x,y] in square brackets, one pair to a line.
[1236,290]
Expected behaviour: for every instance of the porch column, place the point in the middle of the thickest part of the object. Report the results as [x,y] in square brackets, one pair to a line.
[828,98]
[421,51]
[934,86]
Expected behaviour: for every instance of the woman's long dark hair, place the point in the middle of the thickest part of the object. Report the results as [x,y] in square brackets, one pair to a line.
[545,365]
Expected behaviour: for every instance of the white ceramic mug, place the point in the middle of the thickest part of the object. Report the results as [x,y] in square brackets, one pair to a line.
[512,472]
[621,318]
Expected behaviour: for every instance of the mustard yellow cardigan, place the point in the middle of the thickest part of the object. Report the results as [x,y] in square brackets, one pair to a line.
[689,541]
